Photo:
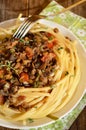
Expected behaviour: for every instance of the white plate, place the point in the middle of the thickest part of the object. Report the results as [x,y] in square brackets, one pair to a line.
[81,89]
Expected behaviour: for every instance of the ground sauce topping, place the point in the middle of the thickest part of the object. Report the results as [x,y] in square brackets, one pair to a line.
[28,62]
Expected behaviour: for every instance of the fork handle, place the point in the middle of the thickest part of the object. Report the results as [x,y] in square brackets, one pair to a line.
[65,9]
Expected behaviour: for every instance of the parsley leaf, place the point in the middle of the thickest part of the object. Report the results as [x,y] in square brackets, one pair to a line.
[60,48]
[30,120]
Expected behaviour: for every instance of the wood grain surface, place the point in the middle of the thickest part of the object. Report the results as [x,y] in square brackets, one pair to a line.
[80,123]
[11,8]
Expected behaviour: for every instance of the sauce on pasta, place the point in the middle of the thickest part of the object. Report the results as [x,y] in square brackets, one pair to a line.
[38,74]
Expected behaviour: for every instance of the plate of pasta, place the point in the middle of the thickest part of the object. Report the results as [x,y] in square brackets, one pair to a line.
[42,76]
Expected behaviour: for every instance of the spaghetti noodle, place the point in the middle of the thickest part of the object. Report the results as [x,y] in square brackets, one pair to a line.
[38,74]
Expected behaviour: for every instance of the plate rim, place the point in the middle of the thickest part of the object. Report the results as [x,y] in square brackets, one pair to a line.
[68,30]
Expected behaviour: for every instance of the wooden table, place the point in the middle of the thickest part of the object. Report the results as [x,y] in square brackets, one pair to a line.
[11,8]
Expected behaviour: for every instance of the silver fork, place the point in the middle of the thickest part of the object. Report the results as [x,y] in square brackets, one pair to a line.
[26,26]
[28,23]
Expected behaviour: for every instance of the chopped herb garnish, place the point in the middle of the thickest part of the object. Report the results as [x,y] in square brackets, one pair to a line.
[14,47]
[27,42]
[30,120]
[21,40]
[50,38]
[43,71]
[60,48]
[8,65]
[13,31]
[72,75]
[35,106]
[12,50]
[36,84]
[66,73]
[41,48]
[52,86]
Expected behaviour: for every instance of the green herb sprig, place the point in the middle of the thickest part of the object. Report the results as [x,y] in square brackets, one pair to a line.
[60,48]
[8,65]
[30,120]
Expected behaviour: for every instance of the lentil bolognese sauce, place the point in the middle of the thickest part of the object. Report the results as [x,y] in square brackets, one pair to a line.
[29,63]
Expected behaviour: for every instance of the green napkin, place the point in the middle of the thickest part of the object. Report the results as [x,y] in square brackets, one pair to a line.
[77,25]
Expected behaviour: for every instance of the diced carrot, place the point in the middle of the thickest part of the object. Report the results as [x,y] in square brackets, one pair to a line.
[1,71]
[52,55]
[22,55]
[24,77]
[29,52]
[49,34]
[45,57]
[1,99]
[50,45]
[18,65]
[13,44]
[48,57]
[55,41]
[2,82]
[1,51]
[20,98]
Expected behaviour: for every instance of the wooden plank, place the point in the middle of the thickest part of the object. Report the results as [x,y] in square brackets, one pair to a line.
[11,8]
[74,126]
[35,9]
[80,122]
[80,10]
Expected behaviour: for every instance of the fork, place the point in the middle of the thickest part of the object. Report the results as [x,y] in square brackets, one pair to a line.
[26,26]
[30,20]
